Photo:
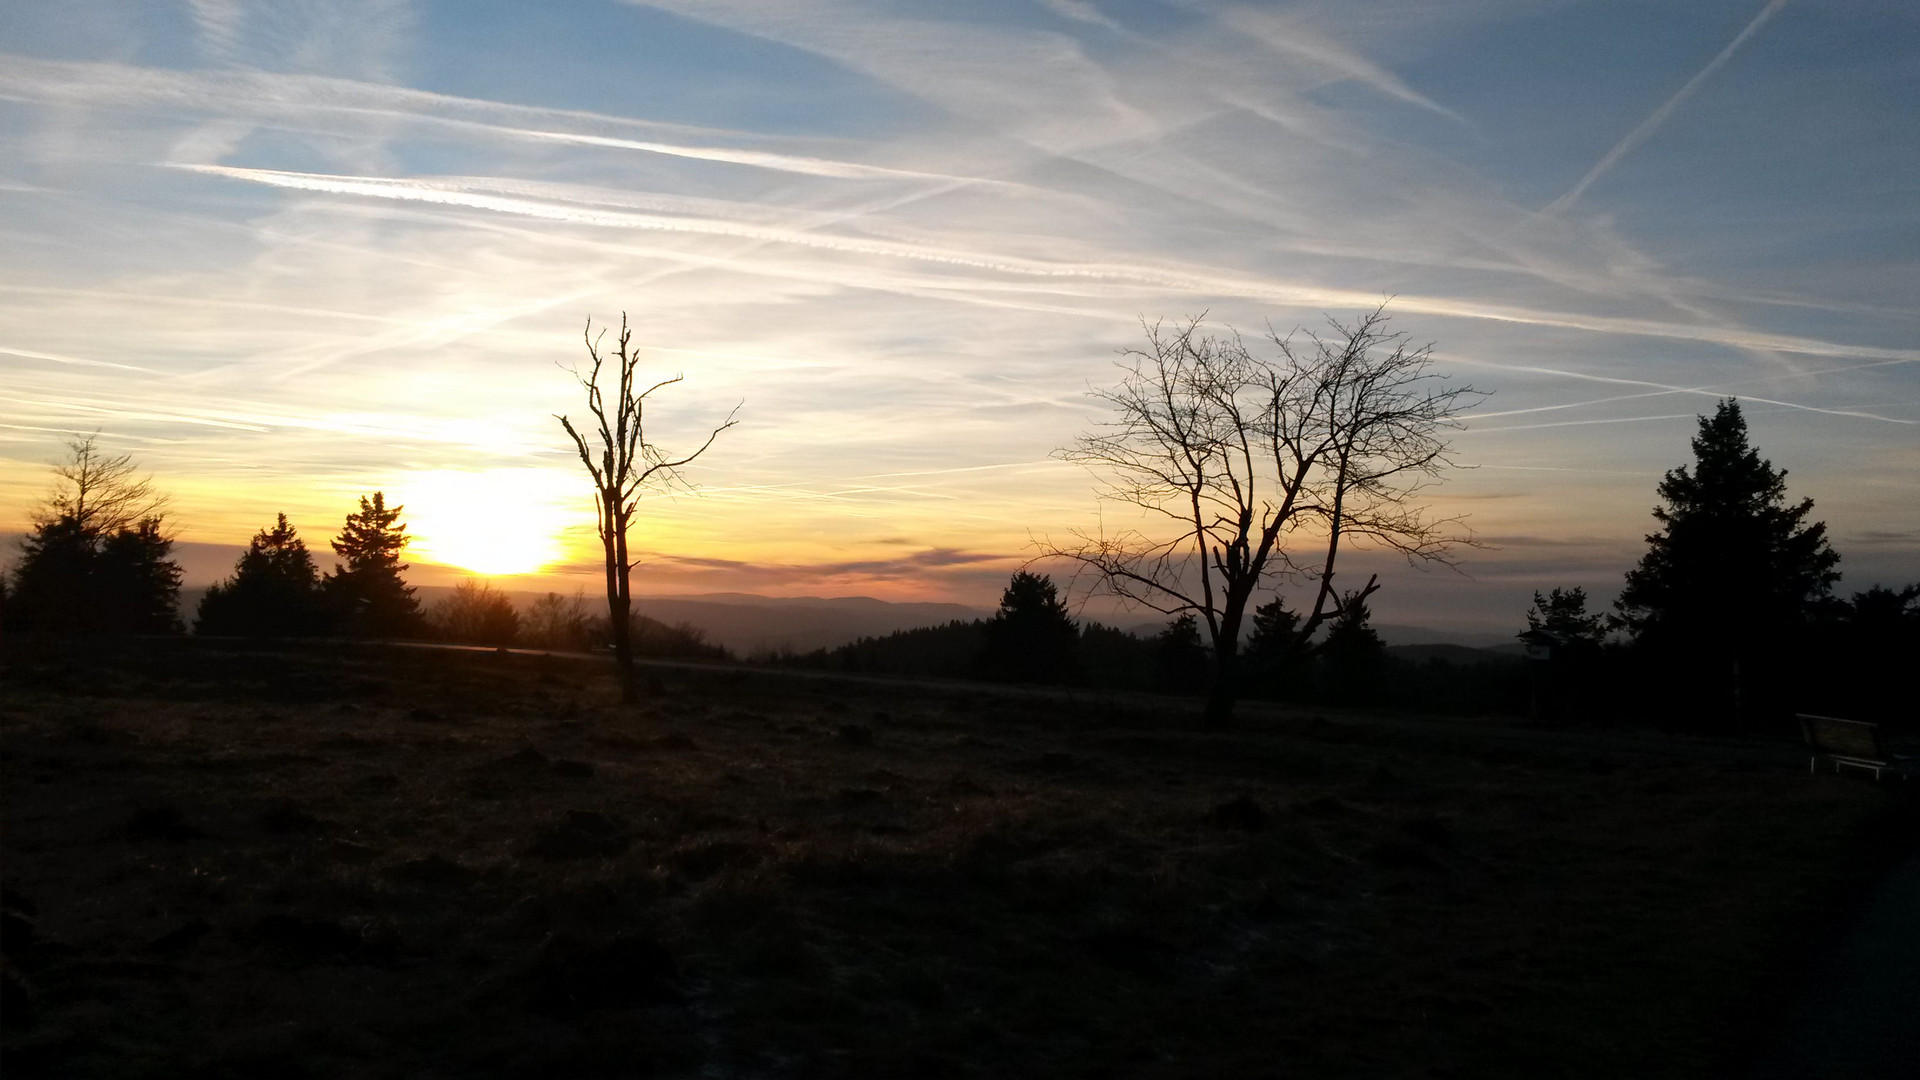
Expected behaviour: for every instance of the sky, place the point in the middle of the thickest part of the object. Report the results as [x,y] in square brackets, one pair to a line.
[287,253]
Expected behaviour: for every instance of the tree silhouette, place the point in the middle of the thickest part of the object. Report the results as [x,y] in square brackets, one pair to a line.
[557,622]
[1276,658]
[97,557]
[1179,657]
[367,595]
[1352,655]
[1031,639]
[274,590]
[1263,467]
[476,614]
[623,465]
[1563,613]
[1735,570]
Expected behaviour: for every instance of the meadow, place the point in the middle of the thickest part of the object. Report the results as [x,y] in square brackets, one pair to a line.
[331,860]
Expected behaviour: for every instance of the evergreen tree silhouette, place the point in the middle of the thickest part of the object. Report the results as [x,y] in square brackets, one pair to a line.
[1031,639]
[1352,655]
[1563,613]
[368,597]
[139,584]
[1275,658]
[274,590]
[97,557]
[1729,583]
[1180,658]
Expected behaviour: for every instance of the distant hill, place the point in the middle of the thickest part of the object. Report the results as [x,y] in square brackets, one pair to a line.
[1394,634]
[1454,654]
[748,624]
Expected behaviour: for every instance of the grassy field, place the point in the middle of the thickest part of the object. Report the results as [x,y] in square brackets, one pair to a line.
[388,862]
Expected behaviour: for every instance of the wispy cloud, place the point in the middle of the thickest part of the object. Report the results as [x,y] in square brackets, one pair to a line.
[1659,116]
[315,278]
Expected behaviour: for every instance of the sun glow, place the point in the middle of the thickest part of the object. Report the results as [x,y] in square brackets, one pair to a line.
[502,521]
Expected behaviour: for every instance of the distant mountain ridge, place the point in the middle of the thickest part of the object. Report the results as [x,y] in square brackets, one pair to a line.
[748,623]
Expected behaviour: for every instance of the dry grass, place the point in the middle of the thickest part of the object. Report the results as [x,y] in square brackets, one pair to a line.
[404,863]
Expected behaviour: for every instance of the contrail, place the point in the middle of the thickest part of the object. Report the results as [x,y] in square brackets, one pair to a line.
[1659,116]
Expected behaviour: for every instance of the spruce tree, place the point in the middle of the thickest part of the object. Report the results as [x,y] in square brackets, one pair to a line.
[1723,600]
[1563,613]
[274,590]
[367,595]
[1179,657]
[1031,638]
[97,557]
[1275,657]
[1734,561]
[1353,653]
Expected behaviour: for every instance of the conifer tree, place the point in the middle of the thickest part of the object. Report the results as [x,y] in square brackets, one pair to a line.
[274,590]
[1179,658]
[1352,654]
[97,558]
[1726,593]
[367,595]
[1031,638]
[1734,560]
[1275,655]
[1563,612]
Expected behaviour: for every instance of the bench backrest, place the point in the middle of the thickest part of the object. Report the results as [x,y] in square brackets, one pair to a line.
[1852,738]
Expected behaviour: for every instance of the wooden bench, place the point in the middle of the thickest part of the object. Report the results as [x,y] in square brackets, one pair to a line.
[1849,742]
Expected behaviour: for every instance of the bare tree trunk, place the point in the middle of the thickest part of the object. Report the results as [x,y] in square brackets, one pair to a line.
[1237,454]
[623,466]
[618,624]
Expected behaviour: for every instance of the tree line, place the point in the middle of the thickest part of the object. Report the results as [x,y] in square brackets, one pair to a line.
[1728,620]
[97,560]
[1261,467]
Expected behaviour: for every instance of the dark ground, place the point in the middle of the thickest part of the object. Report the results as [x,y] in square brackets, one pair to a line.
[223,861]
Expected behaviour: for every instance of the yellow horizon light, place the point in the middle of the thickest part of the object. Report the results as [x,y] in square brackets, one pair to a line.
[498,522]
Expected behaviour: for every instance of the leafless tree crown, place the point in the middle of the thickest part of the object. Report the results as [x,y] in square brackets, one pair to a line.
[621,460]
[624,464]
[97,493]
[1265,466]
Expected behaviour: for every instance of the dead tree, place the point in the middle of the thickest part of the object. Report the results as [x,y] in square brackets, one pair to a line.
[624,466]
[1263,469]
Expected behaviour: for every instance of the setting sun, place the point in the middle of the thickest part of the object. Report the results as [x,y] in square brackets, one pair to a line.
[503,521]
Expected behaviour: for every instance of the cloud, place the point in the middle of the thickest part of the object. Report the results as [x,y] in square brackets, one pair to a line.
[341,280]
[1172,278]
[1659,116]
[1288,37]
[356,108]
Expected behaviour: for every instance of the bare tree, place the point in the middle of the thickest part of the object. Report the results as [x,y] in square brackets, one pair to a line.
[99,494]
[624,465]
[96,558]
[1263,469]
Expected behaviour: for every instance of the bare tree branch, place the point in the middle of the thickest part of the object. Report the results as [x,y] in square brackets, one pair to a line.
[624,465]
[1256,461]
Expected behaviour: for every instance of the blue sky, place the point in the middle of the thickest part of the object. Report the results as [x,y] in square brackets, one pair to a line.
[289,252]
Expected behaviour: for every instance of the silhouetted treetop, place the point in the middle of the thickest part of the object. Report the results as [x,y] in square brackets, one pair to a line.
[1253,467]
[1563,613]
[1031,638]
[97,556]
[274,590]
[367,594]
[1733,557]
[476,614]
